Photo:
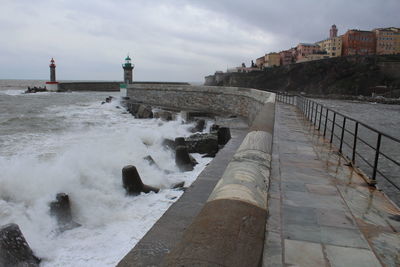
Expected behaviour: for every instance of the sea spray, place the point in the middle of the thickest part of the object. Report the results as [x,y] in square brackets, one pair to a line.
[80,149]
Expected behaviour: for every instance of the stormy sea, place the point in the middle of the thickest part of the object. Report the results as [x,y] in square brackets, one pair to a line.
[72,143]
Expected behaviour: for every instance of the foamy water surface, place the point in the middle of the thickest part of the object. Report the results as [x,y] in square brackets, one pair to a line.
[69,142]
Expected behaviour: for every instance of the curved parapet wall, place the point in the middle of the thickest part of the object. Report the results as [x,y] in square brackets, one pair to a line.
[221,100]
[230,228]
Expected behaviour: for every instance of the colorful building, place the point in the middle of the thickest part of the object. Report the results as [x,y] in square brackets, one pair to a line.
[356,42]
[332,45]
[305,49]
[316,56]
[272,59]
[287,56]
[387,41]
[333,31]
[260,62]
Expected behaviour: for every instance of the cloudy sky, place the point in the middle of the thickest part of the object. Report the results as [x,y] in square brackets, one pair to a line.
[169,40]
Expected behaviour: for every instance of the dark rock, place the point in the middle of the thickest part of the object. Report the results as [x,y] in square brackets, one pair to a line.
[61,209]
[150,160]
[178,185]
[103,103]
[168,143]
[182,159]
[117,107]
[202,143]
[224,135]
[164,115]
[214,128]
[144,112]
[133,108]
[180,141]
[200,124]
[14,250]
[133,183]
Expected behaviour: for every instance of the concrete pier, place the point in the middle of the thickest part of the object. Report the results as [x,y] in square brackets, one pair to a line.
[322,213]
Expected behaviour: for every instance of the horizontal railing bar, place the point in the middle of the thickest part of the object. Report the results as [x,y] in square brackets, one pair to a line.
[365,142]
[387,179]
[364,159]
[389,158]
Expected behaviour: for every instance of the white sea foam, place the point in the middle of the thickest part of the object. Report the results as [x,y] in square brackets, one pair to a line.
[12,92]
[85,161]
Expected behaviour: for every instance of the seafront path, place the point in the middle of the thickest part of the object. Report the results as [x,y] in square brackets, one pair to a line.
[321,212]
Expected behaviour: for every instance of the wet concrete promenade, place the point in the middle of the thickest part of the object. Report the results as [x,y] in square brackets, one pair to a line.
[322,213]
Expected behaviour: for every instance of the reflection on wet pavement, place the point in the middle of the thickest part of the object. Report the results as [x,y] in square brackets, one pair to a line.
[321,212]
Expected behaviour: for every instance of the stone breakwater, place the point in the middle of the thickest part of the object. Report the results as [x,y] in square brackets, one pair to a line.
[230,227]
[226,101]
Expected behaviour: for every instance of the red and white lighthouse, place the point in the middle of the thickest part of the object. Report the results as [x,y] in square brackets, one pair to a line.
[52,85]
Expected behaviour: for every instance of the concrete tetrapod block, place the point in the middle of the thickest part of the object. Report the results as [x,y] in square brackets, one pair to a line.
[14,250]
[133,183]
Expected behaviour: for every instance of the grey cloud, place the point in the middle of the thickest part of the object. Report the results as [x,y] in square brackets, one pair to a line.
[168,39]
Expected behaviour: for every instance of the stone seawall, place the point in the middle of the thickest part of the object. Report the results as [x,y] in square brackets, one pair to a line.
[229,229]
[215,99]
[88,86]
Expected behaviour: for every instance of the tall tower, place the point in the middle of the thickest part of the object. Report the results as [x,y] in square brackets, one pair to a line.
[52,85]
[128,70]
[333,31]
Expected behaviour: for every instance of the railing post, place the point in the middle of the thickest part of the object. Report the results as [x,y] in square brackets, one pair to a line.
[320,118]
[326,120]
[333,126]
[306,107]
[342,136]
[315,115]
[378,146]
[312,110]
[353,157]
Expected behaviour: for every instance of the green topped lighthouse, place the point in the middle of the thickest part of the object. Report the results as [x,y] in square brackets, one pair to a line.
[128,70]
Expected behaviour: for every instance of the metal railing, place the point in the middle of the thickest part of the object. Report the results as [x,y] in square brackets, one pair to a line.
[361,144]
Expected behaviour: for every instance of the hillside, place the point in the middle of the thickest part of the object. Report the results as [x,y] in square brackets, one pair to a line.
[355,75]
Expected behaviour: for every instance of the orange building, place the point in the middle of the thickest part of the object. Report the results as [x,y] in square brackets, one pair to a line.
[356,42]
[387,41]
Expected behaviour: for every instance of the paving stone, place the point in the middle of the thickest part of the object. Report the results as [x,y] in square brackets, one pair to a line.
[335,218]
[274,215]
[293,186]
[308,179]
[354,257]
[342,237]
[299,253]
[305,199]
[299,215]
[322,189]
[311,233]
[272,250]
[387,247]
